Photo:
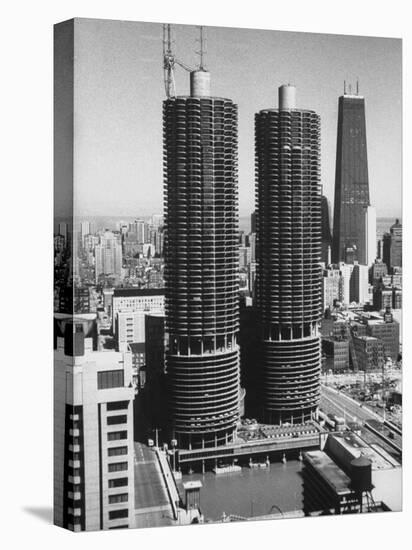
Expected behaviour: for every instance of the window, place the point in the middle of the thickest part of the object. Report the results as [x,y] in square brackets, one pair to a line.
[119,482]
[116,514]
[117,405]
[116,451]
[110,379]
[118,466]
[113,436]
[118,419]
[115,499]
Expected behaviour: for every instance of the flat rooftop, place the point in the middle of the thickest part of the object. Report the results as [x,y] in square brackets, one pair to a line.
[358,447]
[189,485]
[329,471]
[126,292]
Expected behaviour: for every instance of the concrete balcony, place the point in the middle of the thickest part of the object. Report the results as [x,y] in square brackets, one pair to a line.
[74,432]
[74,479]
[74,495]
[74,463]
[75,511]
[74,448]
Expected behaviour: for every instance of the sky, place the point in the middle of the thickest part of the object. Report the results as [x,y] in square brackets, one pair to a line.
[119,89]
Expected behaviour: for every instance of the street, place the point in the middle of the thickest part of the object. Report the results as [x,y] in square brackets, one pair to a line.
[152,507]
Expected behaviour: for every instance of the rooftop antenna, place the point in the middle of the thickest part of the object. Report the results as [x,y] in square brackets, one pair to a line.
[169,62]
[344,87]
[202,51]
[357,86]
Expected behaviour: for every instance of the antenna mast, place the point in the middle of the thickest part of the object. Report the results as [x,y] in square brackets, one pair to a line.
[169,62]
[202,51]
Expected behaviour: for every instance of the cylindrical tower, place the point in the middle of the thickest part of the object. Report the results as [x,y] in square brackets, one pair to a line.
[288,287]
[201,265]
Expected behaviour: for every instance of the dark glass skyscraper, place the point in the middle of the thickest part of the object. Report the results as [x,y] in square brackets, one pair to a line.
[351,182]
[288,288]
[201,264]
[326,232]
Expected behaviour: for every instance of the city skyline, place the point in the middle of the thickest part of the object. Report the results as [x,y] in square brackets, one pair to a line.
[116,143]
[215,350]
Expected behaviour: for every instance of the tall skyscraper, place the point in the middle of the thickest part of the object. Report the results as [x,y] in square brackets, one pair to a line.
[201,264]
[351,182]
[326,232]
[288,287]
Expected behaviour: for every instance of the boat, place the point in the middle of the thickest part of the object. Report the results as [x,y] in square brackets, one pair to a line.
[226,469]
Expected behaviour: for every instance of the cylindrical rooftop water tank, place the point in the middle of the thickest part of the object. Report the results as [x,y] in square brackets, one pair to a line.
[361,474]
[200,83]
[287,97]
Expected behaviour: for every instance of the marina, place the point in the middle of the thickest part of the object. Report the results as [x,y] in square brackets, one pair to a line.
[252,492]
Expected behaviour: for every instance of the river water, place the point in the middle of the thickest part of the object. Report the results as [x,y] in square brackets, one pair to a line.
[251,492]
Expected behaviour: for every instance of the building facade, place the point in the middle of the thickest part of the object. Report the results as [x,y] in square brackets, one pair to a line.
[133,300]
[201,264]
[288,252]
[93,431]
[108,256]
[351,183]
[370,353]
[392,246]
[326,257]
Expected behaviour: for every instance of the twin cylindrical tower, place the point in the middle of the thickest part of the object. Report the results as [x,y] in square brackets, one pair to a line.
[201,265]
[288,275]
[202,269]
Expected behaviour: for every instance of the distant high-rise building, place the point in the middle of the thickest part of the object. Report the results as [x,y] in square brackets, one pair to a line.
[93,431]
[63,230]
[351,183]
[84,230]
[382,298]
[326,232]
[245,256]
[332,287]
[202,264]
[359,284]
[288,250]
[377,271]
[157,221]
[139,227]
[392,246]
[108,256]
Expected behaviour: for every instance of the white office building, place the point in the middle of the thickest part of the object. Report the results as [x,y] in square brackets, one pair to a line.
[93,431]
